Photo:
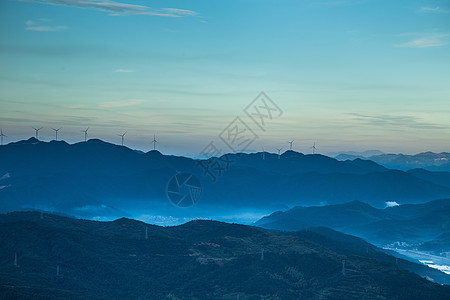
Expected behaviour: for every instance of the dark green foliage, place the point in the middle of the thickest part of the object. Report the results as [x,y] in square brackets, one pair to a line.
[197,260]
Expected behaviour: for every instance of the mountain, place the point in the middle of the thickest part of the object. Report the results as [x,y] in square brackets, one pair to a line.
[338,217]
[424,225]
[440,178]
[441,244]
[65,258]
[99,180]
[354,154]
[427,160]
[405,226]
[344,157]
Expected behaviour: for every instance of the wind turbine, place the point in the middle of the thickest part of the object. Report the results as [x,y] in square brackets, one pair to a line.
[290,144]
[37,131]
[154,142]
[85,133]
[56,133]
[279,150]
[1,136]
[314,148]
[263,154]
[122,135]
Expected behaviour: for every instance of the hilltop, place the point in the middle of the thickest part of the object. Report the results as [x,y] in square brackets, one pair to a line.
[61,257]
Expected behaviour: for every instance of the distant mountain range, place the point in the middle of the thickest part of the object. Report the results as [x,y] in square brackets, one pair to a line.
[54,257]
[95,179]
[427,160]
[344,155]
[424,226]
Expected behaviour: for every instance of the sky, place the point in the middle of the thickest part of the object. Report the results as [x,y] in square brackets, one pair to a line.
[345,74]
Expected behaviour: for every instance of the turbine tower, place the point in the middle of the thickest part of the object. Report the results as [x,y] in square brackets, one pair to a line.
[56,133]
[314,148]
[122,135]
[154,142]
[279,150]
[343,267]
[85,133]
[1,136]
[263,154]
[37,131]
[290,144]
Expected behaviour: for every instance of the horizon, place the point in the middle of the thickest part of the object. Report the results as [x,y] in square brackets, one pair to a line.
[342,76]
[247,151]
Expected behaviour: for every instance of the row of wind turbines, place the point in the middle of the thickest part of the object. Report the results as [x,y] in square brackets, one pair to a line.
[84,131]
[314,148]
[56,132]
[291,143]
[154,141]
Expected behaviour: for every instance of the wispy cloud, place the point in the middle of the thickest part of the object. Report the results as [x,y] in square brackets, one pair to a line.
[119,8]
[77,106]
[6,176]
[181,12]
[126,103]
[391,204]
[43,25]
[396,120]
[124,71]
[435,40]
[436,10]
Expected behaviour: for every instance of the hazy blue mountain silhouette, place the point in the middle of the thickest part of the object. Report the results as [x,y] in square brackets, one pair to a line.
[413,224]
[197,260]
[439,244]
[351,155]
[440,178]
[96,178]
[427,160]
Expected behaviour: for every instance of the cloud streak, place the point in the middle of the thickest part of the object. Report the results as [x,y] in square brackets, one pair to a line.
[436,40]
[396,120]
[118,8]
[436,10]
[124,71]
[114,104]
[42,25]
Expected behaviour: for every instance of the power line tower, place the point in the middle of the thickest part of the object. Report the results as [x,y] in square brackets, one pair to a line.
[343,267]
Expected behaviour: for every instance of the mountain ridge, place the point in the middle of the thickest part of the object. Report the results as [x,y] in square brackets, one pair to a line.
[68,258]
[97,179]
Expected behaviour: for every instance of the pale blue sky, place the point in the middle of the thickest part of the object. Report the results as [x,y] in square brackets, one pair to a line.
[349,74]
